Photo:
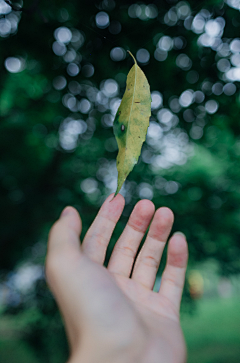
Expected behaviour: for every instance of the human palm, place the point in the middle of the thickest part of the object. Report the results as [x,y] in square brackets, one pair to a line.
[116,305]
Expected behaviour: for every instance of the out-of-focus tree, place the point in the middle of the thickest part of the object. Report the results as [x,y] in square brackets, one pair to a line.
[63,67]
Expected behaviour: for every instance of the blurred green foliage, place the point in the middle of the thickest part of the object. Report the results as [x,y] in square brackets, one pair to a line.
[63,67]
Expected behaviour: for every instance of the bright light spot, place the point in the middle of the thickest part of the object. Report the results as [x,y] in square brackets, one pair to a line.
[88,70]
[145,191]
[26,276]
[134,11]
[217,89]
[160,55]
[171,17]
[70,56]
[71,103]
[102,20]
[101,98]
[143,56]
[165,116]
[213,28]
[5,27]
[14,19]
[114,104]
[198,24]
[178,42]
[207,87]
[109,88]
[223,50]
[154,132]
[59,48]
[143,15]
[157,100]
[235,46]
[186,98]
[233,74]
[89,185]
[234,4]
[69,131]
[74,87]
[77,38]
[229,89]
[199,96]
[235,60]
[206,40]
[184,62]
[175,105]
[117,54]
[84,106]
[188,22]
[196,132]
[59,83]
[173,149]
[73,69]
[165,43]
[183,10]
[63,35]
[171,187]
[107,120]
[151,11]
[4,8]
[223,65]
[211,106]
[14,65]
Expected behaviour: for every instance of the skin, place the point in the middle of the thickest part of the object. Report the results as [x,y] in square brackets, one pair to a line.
[110,316]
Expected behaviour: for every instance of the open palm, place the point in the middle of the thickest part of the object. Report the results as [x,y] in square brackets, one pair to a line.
[118,304]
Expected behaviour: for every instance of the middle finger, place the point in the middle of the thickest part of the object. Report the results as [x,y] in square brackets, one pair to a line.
[125,250]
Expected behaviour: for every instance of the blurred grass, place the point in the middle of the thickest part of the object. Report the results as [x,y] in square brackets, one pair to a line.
[16,351]
[212,334]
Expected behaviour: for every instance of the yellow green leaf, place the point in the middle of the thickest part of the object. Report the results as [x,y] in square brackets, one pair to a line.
[131,122]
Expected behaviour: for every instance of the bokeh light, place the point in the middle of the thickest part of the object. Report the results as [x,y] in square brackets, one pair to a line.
[143,56]
[117,54]
[14,64]
[102,20]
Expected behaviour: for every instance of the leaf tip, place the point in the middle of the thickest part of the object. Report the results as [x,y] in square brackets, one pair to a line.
[132,56]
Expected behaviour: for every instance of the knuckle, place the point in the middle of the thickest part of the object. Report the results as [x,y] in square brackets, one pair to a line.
[126,251]
[150,261]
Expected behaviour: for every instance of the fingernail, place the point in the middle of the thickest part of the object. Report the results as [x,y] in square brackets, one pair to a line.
[66,211]
[180,234]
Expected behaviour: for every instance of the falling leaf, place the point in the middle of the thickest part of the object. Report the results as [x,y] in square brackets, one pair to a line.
[131,122]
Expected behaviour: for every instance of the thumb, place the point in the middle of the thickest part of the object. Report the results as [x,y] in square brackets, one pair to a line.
[63,242]
[65,233]
[62,259]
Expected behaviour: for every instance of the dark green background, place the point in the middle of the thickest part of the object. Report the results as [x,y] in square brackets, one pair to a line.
[38,177]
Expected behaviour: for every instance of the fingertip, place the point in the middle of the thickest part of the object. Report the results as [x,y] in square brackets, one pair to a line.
[68,211]
[112,207]
[161,224]
[166,214]
[145,207]
[118,198]
[141,215]
[71,216]
[178,250]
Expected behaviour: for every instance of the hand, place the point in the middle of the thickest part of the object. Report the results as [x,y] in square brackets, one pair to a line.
[110,316]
